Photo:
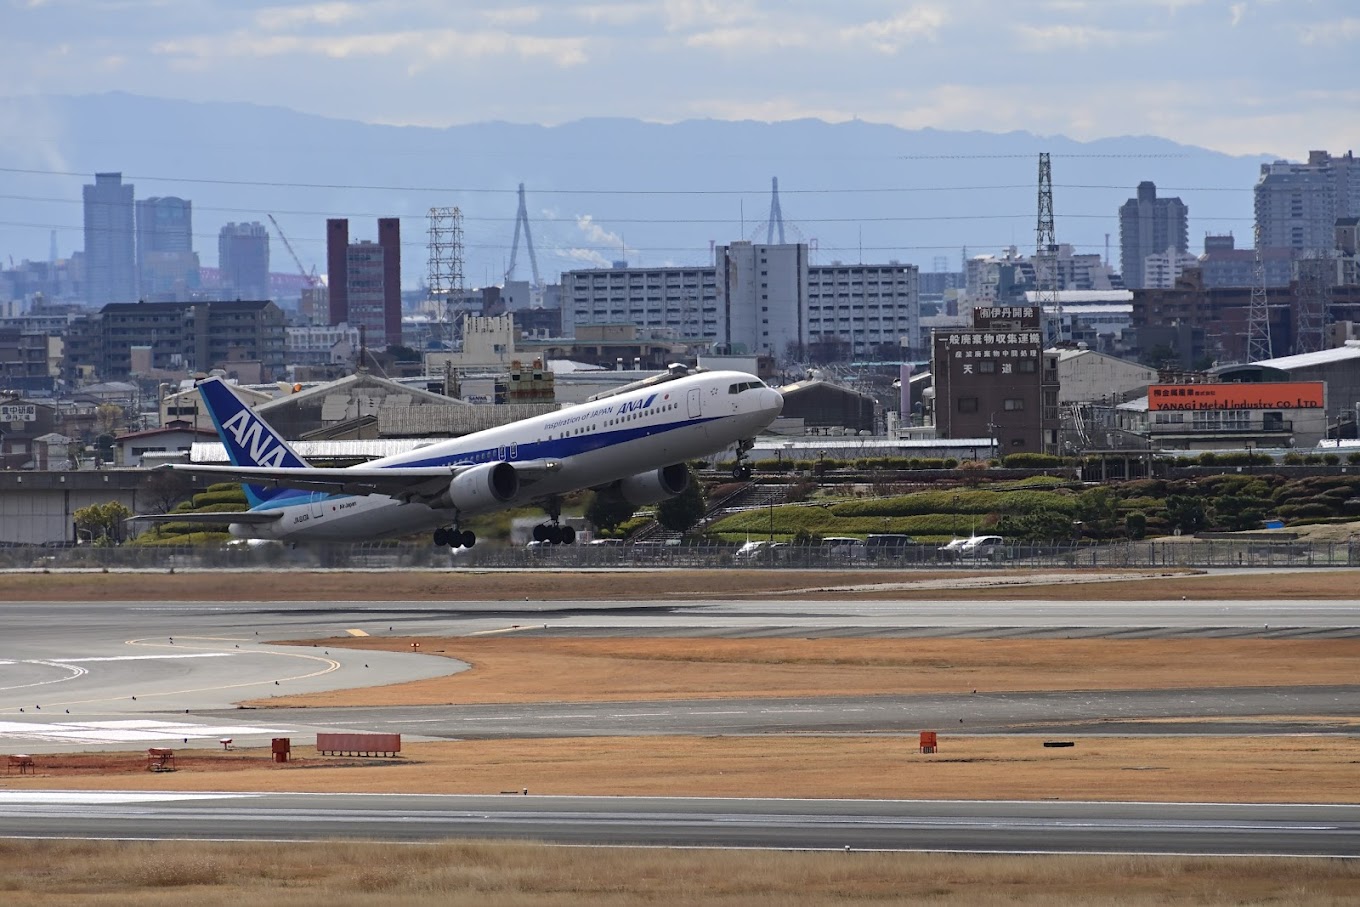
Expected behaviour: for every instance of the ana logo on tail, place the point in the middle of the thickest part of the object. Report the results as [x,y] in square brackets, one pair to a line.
[255,442]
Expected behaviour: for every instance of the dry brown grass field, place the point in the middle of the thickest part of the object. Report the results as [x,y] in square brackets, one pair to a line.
[521,668]
[346,874]
[1303,769]
[633,585]
[526,669]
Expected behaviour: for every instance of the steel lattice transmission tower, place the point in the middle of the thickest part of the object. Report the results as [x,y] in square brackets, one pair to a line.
[776,215]
[1258,315]
[1313,303]
[522,223]
[1046,255]
[444,271]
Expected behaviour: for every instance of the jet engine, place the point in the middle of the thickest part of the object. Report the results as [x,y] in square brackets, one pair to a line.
[480,488]
[656,486]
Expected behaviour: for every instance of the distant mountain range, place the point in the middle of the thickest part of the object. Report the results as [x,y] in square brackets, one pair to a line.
[599,189]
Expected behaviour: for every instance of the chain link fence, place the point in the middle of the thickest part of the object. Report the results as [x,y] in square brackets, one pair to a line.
[1218,553]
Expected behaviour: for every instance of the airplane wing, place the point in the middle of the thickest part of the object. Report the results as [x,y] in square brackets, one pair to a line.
[402,482]
[226,518]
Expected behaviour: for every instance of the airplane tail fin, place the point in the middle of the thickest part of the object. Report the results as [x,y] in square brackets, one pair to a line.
[249,440]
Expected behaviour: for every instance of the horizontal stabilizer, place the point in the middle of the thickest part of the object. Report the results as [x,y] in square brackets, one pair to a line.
[221,519]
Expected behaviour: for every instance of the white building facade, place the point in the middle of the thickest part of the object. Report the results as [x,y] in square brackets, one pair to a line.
[756,299]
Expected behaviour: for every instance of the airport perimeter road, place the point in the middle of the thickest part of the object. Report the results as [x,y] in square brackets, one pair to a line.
[130,674]
[971,826]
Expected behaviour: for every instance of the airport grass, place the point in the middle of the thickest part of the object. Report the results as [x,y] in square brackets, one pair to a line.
[1298,768]
[518,668]
[341,874]
[641,584]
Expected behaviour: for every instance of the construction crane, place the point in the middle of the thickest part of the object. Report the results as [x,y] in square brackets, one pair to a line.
[310,279]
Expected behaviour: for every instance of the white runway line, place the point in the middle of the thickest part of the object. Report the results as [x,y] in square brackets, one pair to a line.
[143,657]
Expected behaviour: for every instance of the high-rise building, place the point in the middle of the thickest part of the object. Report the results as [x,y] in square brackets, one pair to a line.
[1298,205]
[1149,225]
[167,267]
[243,258]
[110,241]
[365,281]
[757,299]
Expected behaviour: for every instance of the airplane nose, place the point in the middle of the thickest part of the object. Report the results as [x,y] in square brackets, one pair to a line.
[772,402]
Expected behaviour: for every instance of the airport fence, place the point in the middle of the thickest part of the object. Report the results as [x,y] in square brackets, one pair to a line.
[1215,553]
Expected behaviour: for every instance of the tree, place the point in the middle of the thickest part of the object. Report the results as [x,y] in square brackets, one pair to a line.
[682,512]
[103,522]
[608,509]
[164,488]
[1185,513]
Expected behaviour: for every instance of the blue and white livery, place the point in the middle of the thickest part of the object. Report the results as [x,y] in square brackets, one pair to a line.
[636,441]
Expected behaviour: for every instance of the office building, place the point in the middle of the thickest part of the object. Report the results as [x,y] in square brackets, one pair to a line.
[243,259]
[1149,225]
[179,338]
[167,268]
[1298,205]
[365,281]
[757,300]
[110,241]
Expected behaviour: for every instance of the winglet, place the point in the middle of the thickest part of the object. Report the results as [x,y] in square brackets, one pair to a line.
[249,440]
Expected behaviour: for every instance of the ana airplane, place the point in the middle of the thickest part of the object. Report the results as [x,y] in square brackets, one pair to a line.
[636,441]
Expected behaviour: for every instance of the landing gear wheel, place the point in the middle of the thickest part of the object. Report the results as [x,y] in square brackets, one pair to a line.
[467,538]
[541,532]
[741,472]
[441,537]
[568,535]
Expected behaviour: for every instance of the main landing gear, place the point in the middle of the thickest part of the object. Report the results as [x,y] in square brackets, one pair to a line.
[454,538]
[741,470]
[553,532]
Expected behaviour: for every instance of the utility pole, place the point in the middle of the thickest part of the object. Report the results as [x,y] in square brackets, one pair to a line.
[1258,315]
[1046,256]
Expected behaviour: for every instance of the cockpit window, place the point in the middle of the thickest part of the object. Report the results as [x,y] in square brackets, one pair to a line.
[744,386]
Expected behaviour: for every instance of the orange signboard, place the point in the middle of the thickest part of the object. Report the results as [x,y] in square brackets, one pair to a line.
[1196,397]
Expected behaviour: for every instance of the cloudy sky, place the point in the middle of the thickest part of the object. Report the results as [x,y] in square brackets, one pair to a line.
[1240,76]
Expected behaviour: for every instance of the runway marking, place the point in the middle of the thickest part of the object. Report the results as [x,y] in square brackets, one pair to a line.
[75,672]
[637,715]
[124,731]
[741,712]
[517,628]
[330,666]
[781,711]
[100,797]
[356,632]
[145,657]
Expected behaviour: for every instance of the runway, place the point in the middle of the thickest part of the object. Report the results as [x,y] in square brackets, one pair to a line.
[122,675]
[904,825]
[126,675]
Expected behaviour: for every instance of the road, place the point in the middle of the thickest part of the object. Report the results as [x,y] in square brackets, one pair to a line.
[979,827]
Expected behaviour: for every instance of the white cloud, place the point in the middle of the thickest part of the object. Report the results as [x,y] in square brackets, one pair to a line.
[613,14]
[436,44]
[891,35]
[1238,10]
[1340,32]
[750,39]
[1068,37]
[682,15]
[280,18]
[513,17]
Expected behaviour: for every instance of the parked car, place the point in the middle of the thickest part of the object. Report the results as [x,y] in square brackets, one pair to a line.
[887,544]
[981,546]
[758,551]
[844,546]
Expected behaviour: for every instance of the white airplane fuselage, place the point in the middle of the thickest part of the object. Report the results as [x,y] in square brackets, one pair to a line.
[590,445]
